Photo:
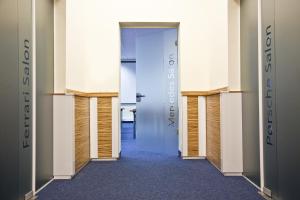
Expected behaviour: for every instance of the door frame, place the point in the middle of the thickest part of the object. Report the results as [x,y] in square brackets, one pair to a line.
[179,97]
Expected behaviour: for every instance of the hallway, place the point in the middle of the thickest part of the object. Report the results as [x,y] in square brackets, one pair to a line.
[212,87]
[141,175]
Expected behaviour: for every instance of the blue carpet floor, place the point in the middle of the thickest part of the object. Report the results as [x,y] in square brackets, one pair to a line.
[148,176]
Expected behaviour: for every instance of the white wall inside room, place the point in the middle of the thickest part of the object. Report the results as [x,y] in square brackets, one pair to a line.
[128,74]
[128,83]
[93,41]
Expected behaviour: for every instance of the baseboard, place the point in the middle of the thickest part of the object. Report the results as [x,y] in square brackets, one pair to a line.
[62,177]
[215,166]
[83,166]
[193,157]
[232,173]
[264,195]
[226,173]
[29,196]
[34,197]
[104,159]
[252,183]
[43,186]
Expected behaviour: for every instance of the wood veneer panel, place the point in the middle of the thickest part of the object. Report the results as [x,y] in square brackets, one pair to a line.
[82,131]
[204,93]
[102,94]
[91,94]
[104,127]
[193,134]
[213,140]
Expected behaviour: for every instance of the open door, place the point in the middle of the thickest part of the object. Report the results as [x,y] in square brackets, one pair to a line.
[157,107]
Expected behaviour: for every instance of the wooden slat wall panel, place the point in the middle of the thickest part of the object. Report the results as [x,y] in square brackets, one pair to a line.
[193,135]
[213,144]
[82,131]
[104,127]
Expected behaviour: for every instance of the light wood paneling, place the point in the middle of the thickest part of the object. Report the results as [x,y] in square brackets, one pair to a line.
[102,94]
[213,144]
[204,93]
[92,94]
[193,134]
[104,127]
[82,131]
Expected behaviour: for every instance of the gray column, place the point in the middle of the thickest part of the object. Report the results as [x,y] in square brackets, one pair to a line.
[44,91]
[16,99]
[249,84]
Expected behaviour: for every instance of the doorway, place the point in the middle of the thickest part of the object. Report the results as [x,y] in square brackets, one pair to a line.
[149,91]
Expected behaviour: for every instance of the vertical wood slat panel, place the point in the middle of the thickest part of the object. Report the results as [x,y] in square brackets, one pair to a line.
[213,141]
[104,105]
[193,126]
[82,131]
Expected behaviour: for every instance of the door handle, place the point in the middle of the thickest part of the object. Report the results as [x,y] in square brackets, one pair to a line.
[139,97]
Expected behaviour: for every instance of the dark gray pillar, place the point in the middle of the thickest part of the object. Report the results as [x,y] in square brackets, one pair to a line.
[16,99]
[9,88]
[269,97]
[249,84]
[281,145]
[287,45]
[44,91]
[25,96]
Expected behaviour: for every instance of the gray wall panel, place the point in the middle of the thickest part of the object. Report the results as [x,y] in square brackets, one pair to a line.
[9,99]
[44,106]
[269,96]
[15,115]
[281,30]
[249,84]
[287,41]
[25,96]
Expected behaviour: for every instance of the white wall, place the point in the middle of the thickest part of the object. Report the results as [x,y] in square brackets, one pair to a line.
[217,55]
[208,43]
[93,128]
[60,46]
[231,133]
[234,73]
[226,70]
[63,137]
[93,40]
[128,83]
